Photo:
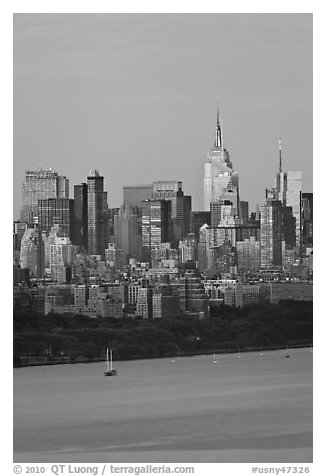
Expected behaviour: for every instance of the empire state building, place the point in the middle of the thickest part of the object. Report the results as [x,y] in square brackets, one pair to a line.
[221,183]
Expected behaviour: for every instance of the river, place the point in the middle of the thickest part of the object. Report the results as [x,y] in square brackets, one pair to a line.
[252,408]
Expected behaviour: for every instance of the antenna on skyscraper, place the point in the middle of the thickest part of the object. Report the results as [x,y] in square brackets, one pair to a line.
[217,122]
[221,132]
[280,154]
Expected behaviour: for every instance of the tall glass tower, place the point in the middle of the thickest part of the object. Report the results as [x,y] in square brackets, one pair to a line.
[80,215]
[97,213]
[220,181]
[156,226]
[127,233]
[288,191]
[271,234]
[293,199]
[180,205]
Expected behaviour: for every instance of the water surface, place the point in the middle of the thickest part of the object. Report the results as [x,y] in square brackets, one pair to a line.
[257,408]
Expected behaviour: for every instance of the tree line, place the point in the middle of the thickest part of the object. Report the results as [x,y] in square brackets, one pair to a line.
[60,338]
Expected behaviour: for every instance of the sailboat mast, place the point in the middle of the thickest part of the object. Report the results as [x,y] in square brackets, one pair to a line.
[110,359]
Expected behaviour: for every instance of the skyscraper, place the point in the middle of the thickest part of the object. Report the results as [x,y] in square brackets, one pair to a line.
[188,249]
[32,255]
[40,185]
[307,218]
[220,181]
[127,233]
[180,206]
[271,234]
[248,255]
[281,178]
[60,258]
[134,195]
[293,199]
[197,220]
[80,215]
[244,206]
[56,211]
[97,213]
[192,294]
[288,190]
[19,230]
[156,226]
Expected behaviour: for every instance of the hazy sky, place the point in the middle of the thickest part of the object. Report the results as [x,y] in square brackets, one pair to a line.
[135,95]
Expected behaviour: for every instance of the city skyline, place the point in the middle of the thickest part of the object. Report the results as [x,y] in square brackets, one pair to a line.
[118,119]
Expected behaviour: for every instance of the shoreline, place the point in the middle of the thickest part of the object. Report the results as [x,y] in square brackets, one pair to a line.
[62,361]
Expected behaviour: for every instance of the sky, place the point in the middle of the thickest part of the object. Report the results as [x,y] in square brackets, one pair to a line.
[135,96]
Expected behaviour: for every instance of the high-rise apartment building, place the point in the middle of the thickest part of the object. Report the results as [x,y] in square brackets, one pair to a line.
[221,182]
[97,213]
[192,294]
[61,256]
[166,304]
[248,255]
[144,306]
[113,256]
[203,246]
[40,185]
[80,216]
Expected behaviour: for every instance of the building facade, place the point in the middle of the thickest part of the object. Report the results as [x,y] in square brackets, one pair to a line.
[127,233]
[271,234]
[248,255]
[80,216]
[180,206]
[40,185]
[32,253]
[135,195]
[307,219]
[56,211]
[97,213]
[221,182]
[156,226]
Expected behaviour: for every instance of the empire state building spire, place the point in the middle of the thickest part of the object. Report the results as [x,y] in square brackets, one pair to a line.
[218,132]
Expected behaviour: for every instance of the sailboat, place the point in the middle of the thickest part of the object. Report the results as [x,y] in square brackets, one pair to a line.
[109,368]
[214,358]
